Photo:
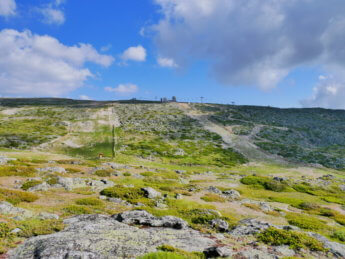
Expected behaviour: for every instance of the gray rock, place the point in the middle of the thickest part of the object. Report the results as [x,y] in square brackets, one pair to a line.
[116,165]
[46,215]
[160,205]
[178,196]
[285,251]
[4,160]
[220,224]
[53,169]
[214,190]
[142,217]
[151,193]
[215,252]
[255,254]
[72,183]
[233,194]
[40,187]
[338,250]
[180,171]
[279,179]
[249,227]
[102,237]
[342,187]
[7,208]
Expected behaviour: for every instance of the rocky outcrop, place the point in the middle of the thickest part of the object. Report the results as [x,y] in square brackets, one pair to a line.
[72,183]
[142,217]
[104,237]
[8,209]
[220,224]
[151,193]
[40,187]
[233,194]
[54,169]
[338,250]
[249,227]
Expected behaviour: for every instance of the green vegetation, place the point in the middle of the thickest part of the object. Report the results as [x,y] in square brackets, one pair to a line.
[339,235]
[163,255]
[103,173]
[306,221]
[211,197]
[90,202]
[77,210]
[264,182]
[15,196]
[294,240]
[35,227]
[27,185]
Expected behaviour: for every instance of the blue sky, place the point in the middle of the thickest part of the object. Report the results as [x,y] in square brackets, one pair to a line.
[210,51]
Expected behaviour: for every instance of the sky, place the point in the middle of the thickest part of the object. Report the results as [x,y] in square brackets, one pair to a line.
[282,53]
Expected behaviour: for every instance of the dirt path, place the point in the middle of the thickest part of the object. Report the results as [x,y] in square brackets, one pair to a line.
[242,144]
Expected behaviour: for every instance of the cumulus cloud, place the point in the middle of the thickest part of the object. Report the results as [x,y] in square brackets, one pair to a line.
[166,62]
[53,13]
[252,42]
[137,53]
[123,89]
[39,65]
[7,8]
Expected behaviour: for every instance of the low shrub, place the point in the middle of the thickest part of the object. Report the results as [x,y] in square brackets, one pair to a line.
[332,199]
[171,249]
[339,235]
[17,170]
[308,206]
[306,221]
[52,180]
[147,174]
[126,174]
[295,240]
[211,197]
[36,227]
[16,196]
[90,202]
[103,173]
[77,210]
[265,183]
[6,238]
[27,185]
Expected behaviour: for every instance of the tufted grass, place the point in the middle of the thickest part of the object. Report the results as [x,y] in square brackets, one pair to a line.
[27,185]
[16,196]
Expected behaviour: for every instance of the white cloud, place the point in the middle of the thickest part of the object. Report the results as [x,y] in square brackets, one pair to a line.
[137,53]
[52,15]
[7,8]
[123,89]
[106,48]
[36,65]
[166,62]
[280,36]
[84,97]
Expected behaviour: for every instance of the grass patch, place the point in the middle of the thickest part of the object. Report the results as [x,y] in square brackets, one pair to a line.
[103,173]
[211,197]
[36,227]
[90,202]
[264,182]
[339,235]
[77,210]
[306,221]
[295,240]
[27,185]
[163,255]
[16,196]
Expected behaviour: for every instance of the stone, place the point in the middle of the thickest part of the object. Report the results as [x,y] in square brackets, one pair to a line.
[215,252]
[178,196]
[285,251]
[214,190]
[4,160]
[220,224]
[7,208]
[103,237]
[116,165]
[180,171]
[72,183]
[53,169]
[279,179]
[342,187]
[337,249]
[161,205]
[255,254]
[46,215]
[233,194]
[142,217]
[40,187]
[151,193]
[249,227]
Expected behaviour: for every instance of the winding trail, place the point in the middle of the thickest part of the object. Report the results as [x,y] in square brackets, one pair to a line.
[241,144]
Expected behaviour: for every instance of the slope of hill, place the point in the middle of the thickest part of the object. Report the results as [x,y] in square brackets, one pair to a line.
[236,181]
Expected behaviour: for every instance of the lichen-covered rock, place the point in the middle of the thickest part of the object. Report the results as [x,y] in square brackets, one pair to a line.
[46,215]
[220,224]
[8,209]
[142,217]
[53,169]
[40,187]
[233,194]
[214,190]
[151,193]
[216,252]
[249,227]
[103,237]
[72,183]
[338,250]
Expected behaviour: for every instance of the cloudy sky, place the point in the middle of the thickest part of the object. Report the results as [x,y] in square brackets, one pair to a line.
[285,53]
